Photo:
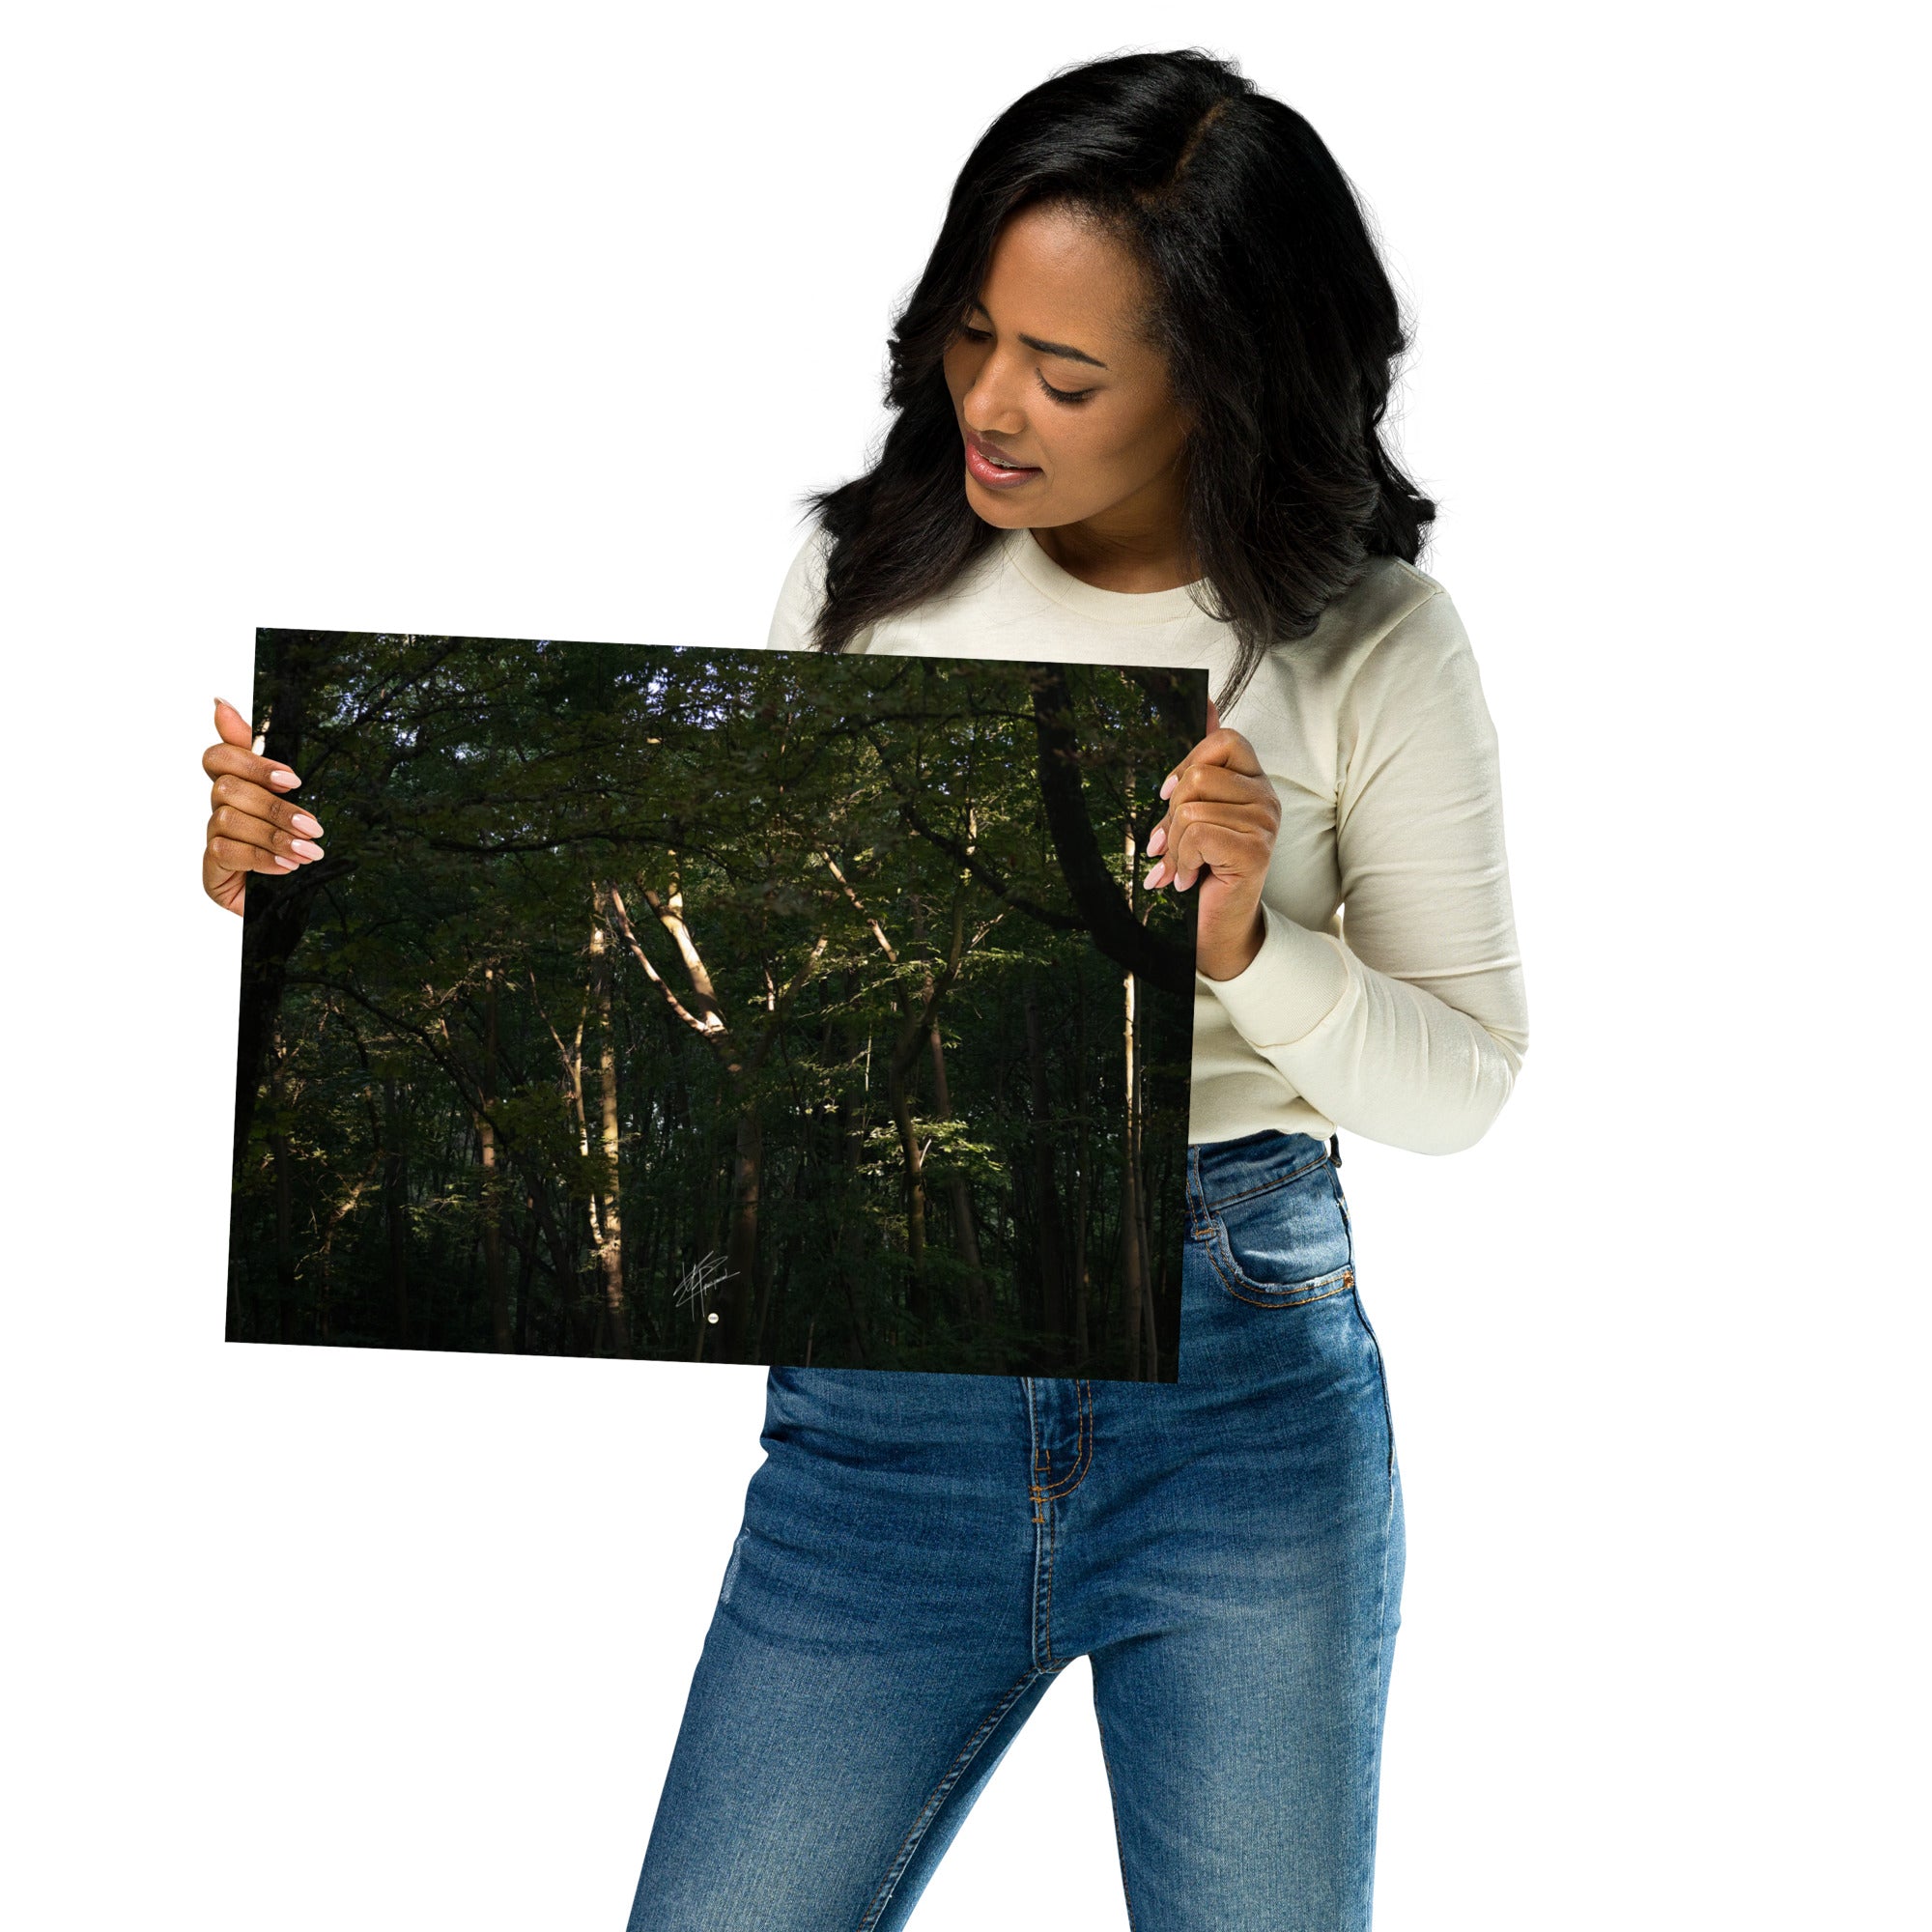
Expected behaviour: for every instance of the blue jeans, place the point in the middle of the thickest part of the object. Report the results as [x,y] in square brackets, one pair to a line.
[922,1555]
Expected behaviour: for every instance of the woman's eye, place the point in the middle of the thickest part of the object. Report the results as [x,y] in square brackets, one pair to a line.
[1065,395]
[971,334]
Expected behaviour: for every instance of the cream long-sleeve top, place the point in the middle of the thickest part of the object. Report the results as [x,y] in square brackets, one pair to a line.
[1387,998]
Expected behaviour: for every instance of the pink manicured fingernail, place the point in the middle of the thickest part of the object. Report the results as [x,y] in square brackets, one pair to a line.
[1154,875]
[284,779]
[303,822]
[1157,841]
[1173,779]
[286,865]
[307,848]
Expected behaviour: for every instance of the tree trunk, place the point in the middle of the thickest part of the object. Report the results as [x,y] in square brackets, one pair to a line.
[1132,1275]
[852,1139]
[280,1323]
[285,1246]
[500,1336]
[741,1249]
[610,1230]
[764,1272]
[964,1229]
[1052,1244]
[396,1210]
[1151,1351]
[1082,1154]
[917,1298]
[741,1067]
[526,1264]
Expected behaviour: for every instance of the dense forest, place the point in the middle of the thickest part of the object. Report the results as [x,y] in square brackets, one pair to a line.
[719,1006]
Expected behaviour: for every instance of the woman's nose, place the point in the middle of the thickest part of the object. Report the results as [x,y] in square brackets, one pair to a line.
[991,406]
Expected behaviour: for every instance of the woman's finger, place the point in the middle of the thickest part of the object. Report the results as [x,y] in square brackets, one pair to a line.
[258,802]
[226,760]
[225,866]
[1231,852]
[1218,790]
[237,854]
[1223,837]
[1214,786]
[252,828]
[1219,748]
[1223,768]
[1160,838]
[230,724]
[1217,781]
[232,830]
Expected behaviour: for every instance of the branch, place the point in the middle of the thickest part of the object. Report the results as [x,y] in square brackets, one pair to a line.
[713,1021]
[914,1033]
[672,917]
[878,932]
[450,1062]
[798,979]
[1151,956]
[573,1070]
[968,857]
[1179,710]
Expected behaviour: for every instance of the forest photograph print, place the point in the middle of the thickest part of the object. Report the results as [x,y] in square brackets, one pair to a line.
[717,1005]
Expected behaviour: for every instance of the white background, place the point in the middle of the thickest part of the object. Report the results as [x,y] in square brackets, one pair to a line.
[538,322]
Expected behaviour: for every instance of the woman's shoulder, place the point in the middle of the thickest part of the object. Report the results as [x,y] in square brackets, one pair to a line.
[1391,645]
[802,593]
[1404,660]
[1390,591]
[1392,619]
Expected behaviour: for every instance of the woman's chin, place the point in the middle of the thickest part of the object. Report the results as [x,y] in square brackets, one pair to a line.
[997,507]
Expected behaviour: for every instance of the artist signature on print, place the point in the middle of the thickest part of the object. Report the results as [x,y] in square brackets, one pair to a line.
[700,1280]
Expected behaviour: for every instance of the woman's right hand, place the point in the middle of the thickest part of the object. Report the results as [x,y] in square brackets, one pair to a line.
[254,827]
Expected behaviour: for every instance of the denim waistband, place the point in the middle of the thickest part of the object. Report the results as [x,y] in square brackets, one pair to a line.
[1220,1170]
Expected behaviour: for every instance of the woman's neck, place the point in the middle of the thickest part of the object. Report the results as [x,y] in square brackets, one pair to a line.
[1131,560]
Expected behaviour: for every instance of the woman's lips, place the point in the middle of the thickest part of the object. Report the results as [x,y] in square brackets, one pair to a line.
[996,475]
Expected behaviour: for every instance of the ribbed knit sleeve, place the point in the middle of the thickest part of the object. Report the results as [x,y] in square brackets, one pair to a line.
[1411,1026]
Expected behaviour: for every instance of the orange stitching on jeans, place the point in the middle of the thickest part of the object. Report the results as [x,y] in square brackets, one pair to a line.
[1342,1286]
[1241,1288]
[1083,1452]
[1083,1461]
[1046,1631]
[1039,1458]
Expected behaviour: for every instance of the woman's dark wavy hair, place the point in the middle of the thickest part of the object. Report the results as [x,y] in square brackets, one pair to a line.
[1269,303]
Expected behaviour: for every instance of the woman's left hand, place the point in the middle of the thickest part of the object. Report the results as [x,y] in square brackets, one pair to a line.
[1222,817]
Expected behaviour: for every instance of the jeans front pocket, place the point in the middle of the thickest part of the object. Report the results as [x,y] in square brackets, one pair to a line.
[1283,1240]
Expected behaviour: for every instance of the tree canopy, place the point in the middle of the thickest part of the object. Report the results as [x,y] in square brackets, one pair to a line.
[753,1006]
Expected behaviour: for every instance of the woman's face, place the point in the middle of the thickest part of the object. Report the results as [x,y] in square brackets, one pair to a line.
[1055,315]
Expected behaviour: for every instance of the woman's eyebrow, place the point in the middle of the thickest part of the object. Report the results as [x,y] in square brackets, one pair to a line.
[1071,353]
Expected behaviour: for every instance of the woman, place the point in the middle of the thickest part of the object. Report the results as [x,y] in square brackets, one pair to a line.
[1138,393]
